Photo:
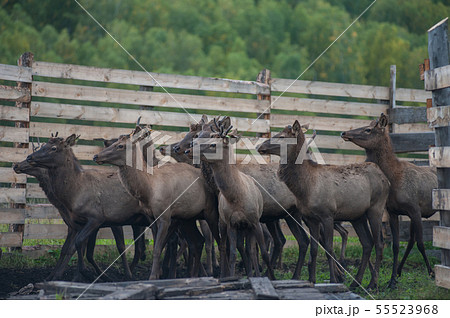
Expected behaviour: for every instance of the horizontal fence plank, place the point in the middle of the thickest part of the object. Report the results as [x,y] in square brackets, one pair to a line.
[318,123]
[59,231]
[331,158]
[441,199]
[441,237]
[13,239]
[14,94]
[12,195]
[14,134]
[135,97]
[12,216]
[41,211]
[109,75]
[438,116]
[328,106]
[347,90]
[412,128]
[12,113]
[407,115]
[10,154]
[412,142]
[437,78]
[8,175]
[442,274]
[122,115]
[15,73]
[440,157]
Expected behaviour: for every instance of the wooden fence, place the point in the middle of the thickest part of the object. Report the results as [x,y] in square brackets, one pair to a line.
[437,80]
[104,103]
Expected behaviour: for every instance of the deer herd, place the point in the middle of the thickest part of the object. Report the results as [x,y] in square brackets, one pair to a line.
[204,197]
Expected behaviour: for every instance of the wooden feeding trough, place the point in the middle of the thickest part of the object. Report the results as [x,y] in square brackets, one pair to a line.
[194,288]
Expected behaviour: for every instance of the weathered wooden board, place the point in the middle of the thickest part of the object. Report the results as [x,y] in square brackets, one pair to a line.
[122,115]
[41,211]
[437,78]
[347,90]
[12,195]
[133,292]
[412,142]
[15,73]
[438,116]
[442,276]
[318,123]
[263,288]
[439,157]
[146,98]
[407,115]
[8,175]
[441,237]
[10,239]
[13,134]
[441,199]
[14,94]
[328,106]
[14,113]
[412,128]
[10,154]
[12,216]
[140,78]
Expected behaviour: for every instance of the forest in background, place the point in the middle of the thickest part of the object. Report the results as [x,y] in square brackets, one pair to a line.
[228,38]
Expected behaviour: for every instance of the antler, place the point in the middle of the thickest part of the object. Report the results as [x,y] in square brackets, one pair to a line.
[228,130]
[138,122]
[312,138]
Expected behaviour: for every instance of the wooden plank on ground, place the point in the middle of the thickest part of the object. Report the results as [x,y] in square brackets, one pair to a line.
[441,199]
[15,73]
[9,176]
[147,98]
[12,113]
[407,115]
[412,142]
[73,287]
[263,288]
[12,216]
[13,134]
[438,116]
[347,90]
[318,123]
[442,276]
[12,195]
[122,115]
[140,78]
[329,106]
[10,154]
[437,78]
[10,239]
[133,292]
[14,94]
[331,288]
[441,237]
[439,157]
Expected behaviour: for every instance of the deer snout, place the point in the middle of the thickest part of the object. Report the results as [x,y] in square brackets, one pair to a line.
[345,136]
[16,167]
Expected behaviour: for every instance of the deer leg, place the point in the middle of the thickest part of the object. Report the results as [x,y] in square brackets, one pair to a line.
[314,230]
[64,257]
[224,262]
[90,252]
[411,241]
[302,241]
[232,238]
[161,238]
[120,243]
[393,223]
[195,242]
[418,230]
[209,246]
[363,233]
[81,240]
[252,251]
[262,246]
[139,245]
[170,256]
[243,251]
[328,225]
[277,241]
[282,242]
[344,235]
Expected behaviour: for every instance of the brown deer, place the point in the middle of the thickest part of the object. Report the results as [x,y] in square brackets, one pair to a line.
[269,147]
[327,193]
[410,191]
[277,198]
[171,192]
[94,198]
[240,202]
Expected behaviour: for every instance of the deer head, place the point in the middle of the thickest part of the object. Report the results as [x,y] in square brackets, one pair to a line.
[272,146]
[369,137]
[54,153]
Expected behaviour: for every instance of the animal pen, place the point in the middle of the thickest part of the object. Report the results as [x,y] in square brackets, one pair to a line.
[105,103]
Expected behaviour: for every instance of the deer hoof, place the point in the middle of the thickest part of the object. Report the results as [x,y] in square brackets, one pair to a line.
[392,284]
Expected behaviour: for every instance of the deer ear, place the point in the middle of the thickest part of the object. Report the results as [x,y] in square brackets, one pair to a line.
[204,120]
[296,126]
[70,141]
[136,130]
[383,121]
[109,142]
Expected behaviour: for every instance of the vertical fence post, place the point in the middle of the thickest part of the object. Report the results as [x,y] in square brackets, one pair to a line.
[26,60]
[438,51]
[392,84]
[265,78]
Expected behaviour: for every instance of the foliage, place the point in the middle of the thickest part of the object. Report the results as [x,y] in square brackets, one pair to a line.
[228,38]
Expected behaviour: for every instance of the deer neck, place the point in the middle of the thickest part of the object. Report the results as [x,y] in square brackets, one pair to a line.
[227,178]
[208,174]
[385,158]
[136,182]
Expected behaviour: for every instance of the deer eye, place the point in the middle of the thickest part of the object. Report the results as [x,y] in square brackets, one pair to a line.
[367,130]
[120,146]
[54,148]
